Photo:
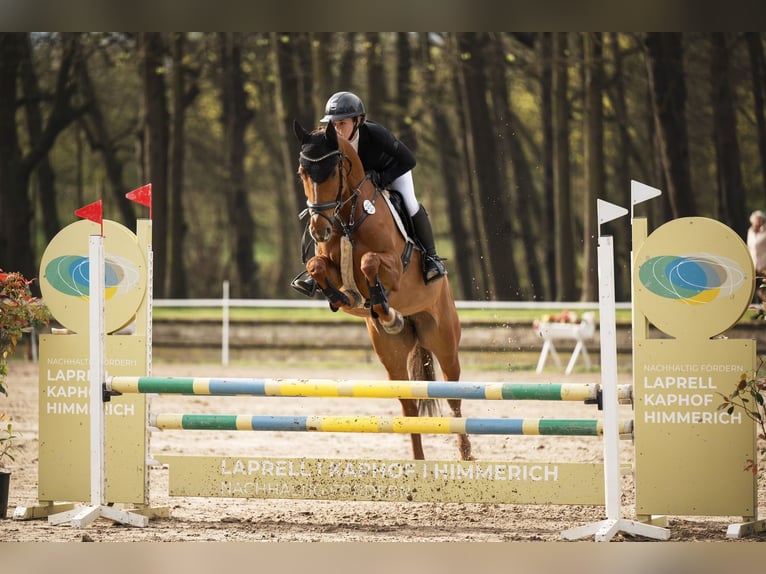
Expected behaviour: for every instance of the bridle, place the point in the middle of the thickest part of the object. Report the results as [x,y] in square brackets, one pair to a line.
[337,205]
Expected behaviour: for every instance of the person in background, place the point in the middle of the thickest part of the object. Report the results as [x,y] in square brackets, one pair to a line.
[756,243]
[388,163]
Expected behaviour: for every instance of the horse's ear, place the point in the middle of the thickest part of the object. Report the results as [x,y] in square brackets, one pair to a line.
[331,134]
[300,133]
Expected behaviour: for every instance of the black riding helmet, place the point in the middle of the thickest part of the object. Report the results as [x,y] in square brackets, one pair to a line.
[342,105]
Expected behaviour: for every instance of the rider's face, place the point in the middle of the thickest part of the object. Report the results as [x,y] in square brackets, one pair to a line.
[344,127]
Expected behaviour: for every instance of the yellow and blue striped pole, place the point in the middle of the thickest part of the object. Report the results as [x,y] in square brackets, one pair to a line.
[376,424]
[383,389]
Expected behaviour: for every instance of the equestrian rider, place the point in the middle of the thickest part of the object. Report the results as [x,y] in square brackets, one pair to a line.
[389,164]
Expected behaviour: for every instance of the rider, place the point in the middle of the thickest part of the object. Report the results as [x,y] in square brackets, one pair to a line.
[389,164]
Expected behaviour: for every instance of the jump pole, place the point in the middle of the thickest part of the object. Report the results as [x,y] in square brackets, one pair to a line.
[605,530]
[361,388]
[377,424]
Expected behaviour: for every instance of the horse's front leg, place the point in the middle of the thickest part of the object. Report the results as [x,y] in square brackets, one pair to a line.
[318,268]
[375,265]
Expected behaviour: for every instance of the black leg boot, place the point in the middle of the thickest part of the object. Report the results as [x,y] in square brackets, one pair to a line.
[433,268]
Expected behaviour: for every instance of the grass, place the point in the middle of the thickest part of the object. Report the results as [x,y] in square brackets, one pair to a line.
[300,314]
[320,314]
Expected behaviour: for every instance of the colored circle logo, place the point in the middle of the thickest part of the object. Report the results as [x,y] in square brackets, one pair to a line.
[693,277]
[65,269]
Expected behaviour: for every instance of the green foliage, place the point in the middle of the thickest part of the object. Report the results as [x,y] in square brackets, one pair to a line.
[749,397]
[7,437]
[19,311]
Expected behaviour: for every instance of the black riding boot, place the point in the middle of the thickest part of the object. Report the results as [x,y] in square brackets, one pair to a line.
[304,284]
[433,268]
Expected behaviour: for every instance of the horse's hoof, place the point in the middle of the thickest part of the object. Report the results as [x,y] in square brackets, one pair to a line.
[395,325]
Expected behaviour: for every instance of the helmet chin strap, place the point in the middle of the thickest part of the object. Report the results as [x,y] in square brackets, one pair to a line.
[357,123]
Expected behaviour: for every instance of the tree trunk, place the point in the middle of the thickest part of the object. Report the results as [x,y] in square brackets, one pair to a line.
[322,70]
[101,141]
[15,209]
[758,74]
[546,237]
[17,251]
[562,228]
[523,194]
[292,105]
[480,281]
[665,69]
[450,165]
[236,118]
[593,134]
[156,149]
[495,211]
[182,98]
[290,198]
[403,97]
[46,179]
[731,190]
[347,63]
[622,176]
[305,81]
[377,84]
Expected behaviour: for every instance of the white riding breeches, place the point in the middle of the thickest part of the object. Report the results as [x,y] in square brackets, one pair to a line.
[406,187]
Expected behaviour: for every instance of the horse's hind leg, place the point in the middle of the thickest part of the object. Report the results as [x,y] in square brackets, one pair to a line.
[450,366]
[392,351]
[463,442]
[442,337]
[410,409]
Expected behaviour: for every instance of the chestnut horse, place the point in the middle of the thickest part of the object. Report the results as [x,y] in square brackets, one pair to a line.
[359,267]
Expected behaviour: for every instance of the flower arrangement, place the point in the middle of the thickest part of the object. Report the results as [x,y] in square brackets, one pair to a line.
[565,316]
[19,311]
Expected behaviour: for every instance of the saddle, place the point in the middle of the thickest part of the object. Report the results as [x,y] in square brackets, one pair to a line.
[404,223]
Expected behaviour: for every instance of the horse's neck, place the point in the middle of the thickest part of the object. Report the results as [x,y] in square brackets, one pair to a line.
[375,230]
[357,190]
[378,230]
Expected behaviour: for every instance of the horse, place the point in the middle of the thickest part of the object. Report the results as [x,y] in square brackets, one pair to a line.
[366,265]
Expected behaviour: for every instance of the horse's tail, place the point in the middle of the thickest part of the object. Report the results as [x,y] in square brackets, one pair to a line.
[420,367]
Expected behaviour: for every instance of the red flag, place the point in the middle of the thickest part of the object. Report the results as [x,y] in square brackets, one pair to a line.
[142,195]
[92,212]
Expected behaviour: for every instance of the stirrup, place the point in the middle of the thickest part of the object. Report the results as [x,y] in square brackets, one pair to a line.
[433,269]
[304,284]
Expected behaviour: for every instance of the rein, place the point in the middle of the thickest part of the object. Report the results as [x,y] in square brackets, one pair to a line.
[336,220]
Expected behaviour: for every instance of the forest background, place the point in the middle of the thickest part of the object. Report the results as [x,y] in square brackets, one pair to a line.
[516,136]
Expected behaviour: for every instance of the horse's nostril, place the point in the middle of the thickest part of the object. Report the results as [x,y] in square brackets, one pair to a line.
[321,235]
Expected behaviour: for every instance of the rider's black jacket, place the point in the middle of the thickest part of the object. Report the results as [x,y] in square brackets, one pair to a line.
[382,152]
